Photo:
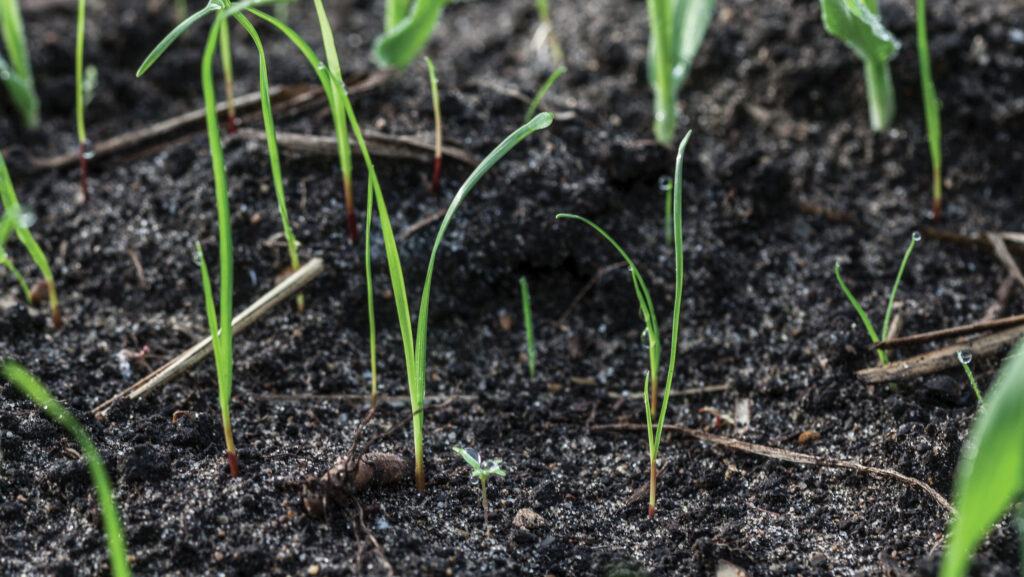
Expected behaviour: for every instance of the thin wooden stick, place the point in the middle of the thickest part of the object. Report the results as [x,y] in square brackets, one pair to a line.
[399,146]
[199,351]
[788,456]
[940,359]
[968,329]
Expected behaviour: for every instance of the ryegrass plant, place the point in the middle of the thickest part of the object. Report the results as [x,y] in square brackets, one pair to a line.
[964,356]
[407,29]
[37,393]
[558,72]
[482,470]
[677,29]
[16,69]
[435,99]
[933,122]
[858,25]
[12,207]
[84,146]
[883,358]
[990,475]
[531,351]
[651,331]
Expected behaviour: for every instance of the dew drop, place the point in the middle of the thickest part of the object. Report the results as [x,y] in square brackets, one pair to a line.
[26,219]
[88,150]
[916,236]
[664,183]
[964,356]
[197,256]
[645,339]
[473,453]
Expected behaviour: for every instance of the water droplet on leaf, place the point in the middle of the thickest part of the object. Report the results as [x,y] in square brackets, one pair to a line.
[916,236]
[964,356]
[664,183]
[88,150]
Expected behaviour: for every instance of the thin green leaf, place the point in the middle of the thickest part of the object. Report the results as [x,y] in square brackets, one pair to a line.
[163,45]
[990,475]
[16,74]
[896,285]
[398,45]
[211,307]
[863,316]
[80,73]
[531,352]
[37,393]
[930,97]
[543,90]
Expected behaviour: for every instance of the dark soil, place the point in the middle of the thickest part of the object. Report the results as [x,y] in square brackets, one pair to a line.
[782,177]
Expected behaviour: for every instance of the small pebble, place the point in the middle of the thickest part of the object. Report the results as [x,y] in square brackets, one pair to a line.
[528,519]
[313,570]
[808,436]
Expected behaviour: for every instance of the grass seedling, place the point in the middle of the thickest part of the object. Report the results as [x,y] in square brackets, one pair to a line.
[677,31]
[990,475]
[407,29]
[931,108]
[547,31]
[651,332]
[37,393]
[482,470]
[531,351]
[16,69]
[85,151]
[7,223]
[965,357]
[435,182]
[882,356]
[858,25]
[665,186]
[543,90]
[12,208]
[338,115]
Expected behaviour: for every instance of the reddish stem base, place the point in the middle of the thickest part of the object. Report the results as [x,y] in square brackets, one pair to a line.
[353,232]
[232,126]
[435,183]
[650,511]
[83,172]
[936,209]
[233,464]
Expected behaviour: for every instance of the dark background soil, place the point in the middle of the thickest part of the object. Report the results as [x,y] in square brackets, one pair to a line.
[779,123]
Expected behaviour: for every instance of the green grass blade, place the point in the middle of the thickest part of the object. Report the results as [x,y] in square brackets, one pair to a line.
[5,260]
[79,73]
[659,69]
[543,90]
[531,351]
[37,393]
[398,45]
[369,294]
[863,315]
[163,45]
[394,12]
[896,285]
[211,307]
[931,107]
[16,74]
[692,19]
[990,475]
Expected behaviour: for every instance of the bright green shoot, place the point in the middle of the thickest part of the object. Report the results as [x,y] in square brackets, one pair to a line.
[931,108]
[677,29]
[858,25]
[8,221]
[882,357]
[37,393]
[84,148]
[16,69]
[665,186]
[406,31]
[12,207]
[435,98]
[965,357]
[482,470]
[338,116]
[651,323]
[547,31]
[543,90]
[531,351]
[990,475]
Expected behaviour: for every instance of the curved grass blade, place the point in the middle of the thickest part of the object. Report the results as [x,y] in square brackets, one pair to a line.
[37,393]
[435,99]
[531,351]
[914,238]
[882,357]
[397,46]
[543,90]
[163,45]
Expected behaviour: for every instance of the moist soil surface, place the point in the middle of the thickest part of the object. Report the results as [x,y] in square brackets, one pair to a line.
[782,178]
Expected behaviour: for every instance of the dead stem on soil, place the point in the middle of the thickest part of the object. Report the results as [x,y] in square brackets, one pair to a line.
[398,146]
[957,331]
[788,456]
[186,360]
[421,224]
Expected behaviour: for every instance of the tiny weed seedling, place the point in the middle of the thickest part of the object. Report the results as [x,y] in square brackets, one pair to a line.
[531,352]
[16,69]
[990,475]
[931,108]
[407,29]
[858,25]
[547,31]
[37,393]
[543,90]
[18,221]
[435,182]
[965,357]
[482,470]
[651,332]
[883,358]
[677,32]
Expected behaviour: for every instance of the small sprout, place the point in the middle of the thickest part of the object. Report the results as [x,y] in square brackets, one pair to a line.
[435,182]
[16,69]
[882,356]
[546,31]
[406,31]
[990,475]
[677,32]
[531,352]
[857,24]
[543,90]
[37,393]
[932,119]
[481,470]
[964,356]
